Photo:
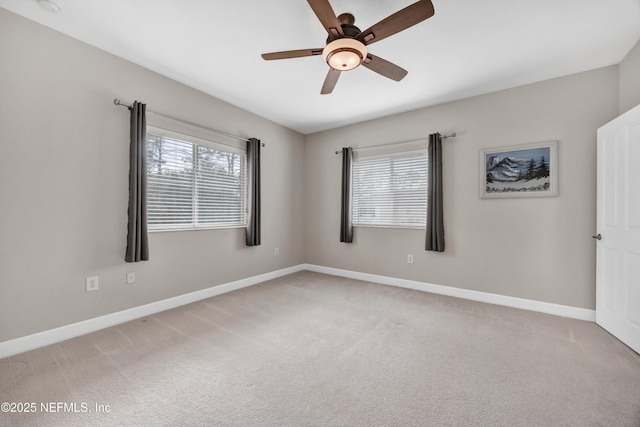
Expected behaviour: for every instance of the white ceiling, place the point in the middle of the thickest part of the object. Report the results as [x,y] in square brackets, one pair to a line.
[467,48]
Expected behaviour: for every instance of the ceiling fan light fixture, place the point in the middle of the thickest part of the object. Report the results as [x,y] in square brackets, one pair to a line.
[344,54]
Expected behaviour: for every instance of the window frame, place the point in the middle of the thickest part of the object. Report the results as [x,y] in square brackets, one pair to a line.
[412,148]
[198,137]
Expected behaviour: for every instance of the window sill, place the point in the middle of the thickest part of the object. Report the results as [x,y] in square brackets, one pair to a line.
[402,227]
[169,230]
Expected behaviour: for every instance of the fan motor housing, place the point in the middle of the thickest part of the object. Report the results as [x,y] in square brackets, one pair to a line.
[348,30]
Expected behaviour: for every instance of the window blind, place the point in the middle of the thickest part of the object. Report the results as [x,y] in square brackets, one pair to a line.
[192,185]
[390,190]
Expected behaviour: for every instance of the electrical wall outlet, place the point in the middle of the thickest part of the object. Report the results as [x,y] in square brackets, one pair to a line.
[131,278]
[91,284]
[409,259]
[276,252]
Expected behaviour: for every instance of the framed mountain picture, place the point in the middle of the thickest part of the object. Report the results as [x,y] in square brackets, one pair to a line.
[526,170]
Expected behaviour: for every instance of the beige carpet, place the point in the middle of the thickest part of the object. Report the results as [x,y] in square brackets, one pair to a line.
[310,349]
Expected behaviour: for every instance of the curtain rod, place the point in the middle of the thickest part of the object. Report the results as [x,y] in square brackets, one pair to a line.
[395,143]
[122,104]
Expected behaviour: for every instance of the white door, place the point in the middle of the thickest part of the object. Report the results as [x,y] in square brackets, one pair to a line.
[618,221]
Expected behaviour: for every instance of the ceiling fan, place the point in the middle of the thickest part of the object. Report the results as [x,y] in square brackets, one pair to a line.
[347,46]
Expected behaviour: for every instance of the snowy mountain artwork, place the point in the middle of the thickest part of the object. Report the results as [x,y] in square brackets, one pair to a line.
[519,171]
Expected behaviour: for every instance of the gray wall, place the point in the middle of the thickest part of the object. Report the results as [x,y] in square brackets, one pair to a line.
[64,186]
[538,249]
[630,80]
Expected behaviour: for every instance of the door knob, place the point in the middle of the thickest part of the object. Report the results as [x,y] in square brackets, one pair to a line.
[597,236]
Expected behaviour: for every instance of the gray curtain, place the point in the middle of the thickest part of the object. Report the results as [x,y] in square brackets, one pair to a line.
[435,220]
[253,179]
[137,239]
[346,224]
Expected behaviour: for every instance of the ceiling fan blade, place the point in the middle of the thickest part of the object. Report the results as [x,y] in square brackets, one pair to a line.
[401,20]
[330,81]
[384,67]
[291,54]
[327,17]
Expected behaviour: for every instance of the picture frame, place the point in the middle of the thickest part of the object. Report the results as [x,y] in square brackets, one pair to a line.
[524,170]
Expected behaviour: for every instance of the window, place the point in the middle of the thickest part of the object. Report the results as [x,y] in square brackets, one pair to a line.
[193,182]
[390,190]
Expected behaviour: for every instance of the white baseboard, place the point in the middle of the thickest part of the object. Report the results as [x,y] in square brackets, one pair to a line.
[525,304]
[52,336]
